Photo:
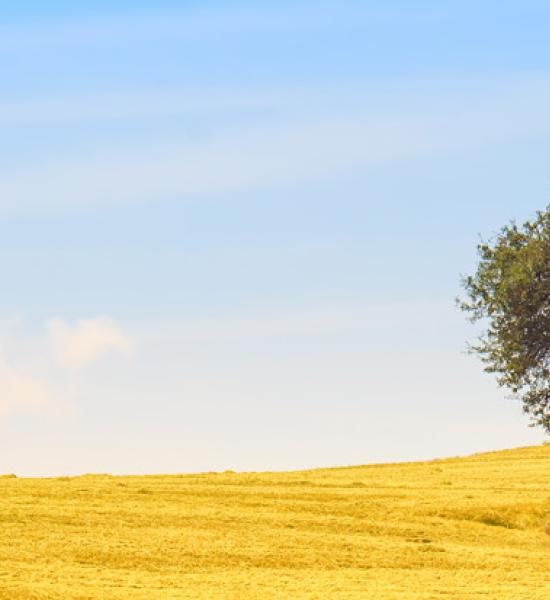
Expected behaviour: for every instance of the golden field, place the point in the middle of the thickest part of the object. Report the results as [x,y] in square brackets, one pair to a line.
[455,528]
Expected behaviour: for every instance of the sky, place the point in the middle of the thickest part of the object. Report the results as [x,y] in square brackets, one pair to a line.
[232,233]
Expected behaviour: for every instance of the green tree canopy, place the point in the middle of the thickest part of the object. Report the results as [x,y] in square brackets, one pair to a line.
[510,292]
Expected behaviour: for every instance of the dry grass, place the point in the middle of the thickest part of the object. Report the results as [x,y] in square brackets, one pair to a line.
[460,528]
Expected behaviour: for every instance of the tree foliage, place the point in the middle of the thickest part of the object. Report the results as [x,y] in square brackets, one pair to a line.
[510,292]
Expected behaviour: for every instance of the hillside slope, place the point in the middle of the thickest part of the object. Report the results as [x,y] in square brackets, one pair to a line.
[456,528]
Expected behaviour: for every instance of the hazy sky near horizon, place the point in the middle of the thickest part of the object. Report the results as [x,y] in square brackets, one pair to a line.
[231,233]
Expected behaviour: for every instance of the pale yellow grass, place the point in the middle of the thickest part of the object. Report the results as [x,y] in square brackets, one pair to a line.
[459,528]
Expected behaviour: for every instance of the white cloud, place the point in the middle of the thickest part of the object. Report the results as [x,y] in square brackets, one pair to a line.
[87,341]
[19,391]
[37,371]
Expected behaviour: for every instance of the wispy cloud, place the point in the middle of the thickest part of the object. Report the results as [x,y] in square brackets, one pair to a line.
[201,22]
[389,320]
[292,152]
[287,150]
[86,342]
[20,391]
[466,97]
[144,104]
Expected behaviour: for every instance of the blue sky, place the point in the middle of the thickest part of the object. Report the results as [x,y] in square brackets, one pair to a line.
[231,234]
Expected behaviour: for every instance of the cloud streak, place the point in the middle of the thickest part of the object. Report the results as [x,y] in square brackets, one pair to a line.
[201,23]
[144,104]
[290,150]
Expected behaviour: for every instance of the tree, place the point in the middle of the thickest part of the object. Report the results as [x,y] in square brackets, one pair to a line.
[510,292]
